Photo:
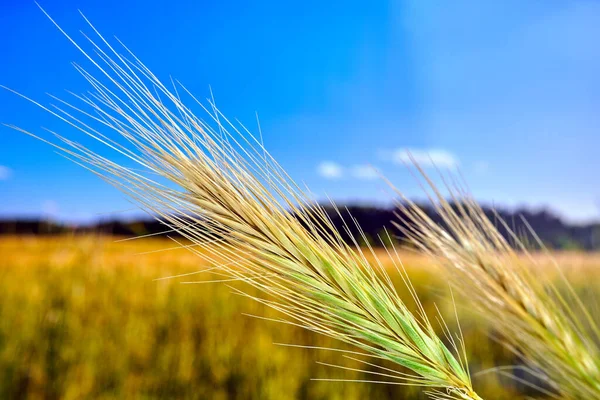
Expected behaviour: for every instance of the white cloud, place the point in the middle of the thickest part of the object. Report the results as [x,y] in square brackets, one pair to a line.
[5,173]
[364,172]
[424,157]
[330,170]
[333,170]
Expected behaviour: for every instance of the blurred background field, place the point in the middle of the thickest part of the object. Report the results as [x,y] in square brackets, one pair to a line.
[501,91]
[85,317]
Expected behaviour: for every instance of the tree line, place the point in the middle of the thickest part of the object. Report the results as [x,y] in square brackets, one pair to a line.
[373,221]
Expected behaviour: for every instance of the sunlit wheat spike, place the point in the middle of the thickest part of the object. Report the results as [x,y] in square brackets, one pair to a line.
[535,320]
[215,184]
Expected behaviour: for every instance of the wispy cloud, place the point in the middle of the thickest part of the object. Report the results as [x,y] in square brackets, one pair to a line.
[364,172]
[424,157]
[5,173]
[330,170]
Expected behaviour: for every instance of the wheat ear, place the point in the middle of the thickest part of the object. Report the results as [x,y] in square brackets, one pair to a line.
[220,189]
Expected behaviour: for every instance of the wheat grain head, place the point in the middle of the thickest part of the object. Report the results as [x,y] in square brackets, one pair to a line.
[214,184]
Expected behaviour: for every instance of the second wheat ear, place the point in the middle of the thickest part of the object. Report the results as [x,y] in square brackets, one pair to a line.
[535,319]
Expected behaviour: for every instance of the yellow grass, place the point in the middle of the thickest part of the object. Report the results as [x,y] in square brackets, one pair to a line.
[84,317]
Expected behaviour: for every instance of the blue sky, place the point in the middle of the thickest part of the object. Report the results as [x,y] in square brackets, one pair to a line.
[507,91]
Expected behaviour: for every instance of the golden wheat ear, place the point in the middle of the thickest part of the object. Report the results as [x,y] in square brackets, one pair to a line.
[215,184]
[534,318]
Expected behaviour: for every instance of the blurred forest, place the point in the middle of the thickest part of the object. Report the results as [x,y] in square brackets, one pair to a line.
[551,230]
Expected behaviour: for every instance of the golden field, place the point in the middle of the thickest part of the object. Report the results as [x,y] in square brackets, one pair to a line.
[86,318]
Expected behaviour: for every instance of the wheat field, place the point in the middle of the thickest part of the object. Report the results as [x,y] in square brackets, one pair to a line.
[89,317]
